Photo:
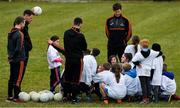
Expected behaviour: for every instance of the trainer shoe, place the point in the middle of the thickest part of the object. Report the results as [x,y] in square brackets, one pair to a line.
[9,99]
[18,101]
[119,101]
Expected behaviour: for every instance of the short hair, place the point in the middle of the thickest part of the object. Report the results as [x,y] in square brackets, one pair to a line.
[87,52]
[128,56]
[156,47]
[28,12]
[54,38]
[126,66]
[106,66]
[117,6]
[19,20]
[144,43]
[78,21]
[95,52]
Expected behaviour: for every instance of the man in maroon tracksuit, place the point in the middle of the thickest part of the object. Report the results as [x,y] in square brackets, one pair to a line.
[118,31]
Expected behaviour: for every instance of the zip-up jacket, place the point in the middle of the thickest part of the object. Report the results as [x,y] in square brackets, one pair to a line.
[118,31]
[27,40]
[74,43]
[15,47]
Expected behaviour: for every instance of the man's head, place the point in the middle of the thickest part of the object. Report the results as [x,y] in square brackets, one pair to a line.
[77,22]
[28,15]
[19,22]
[55,39]
[117,9]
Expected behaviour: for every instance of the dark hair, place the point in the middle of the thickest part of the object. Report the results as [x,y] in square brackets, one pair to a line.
[112,56]
[128,56]
[135,41]
[95,52]
[87,52]
[116,6]
[164,67]
[78,21]
[54,38]
[28,12]
[117,69]
[156,47]
[107,66]
[18,20]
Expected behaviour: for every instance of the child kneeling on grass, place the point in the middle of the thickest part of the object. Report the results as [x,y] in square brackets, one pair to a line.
[112,84]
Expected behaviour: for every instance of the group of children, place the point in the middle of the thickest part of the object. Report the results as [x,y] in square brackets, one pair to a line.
[140,74]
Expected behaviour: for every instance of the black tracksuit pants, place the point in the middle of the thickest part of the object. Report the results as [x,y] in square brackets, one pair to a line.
[145,85]
[54,78]
[15,79]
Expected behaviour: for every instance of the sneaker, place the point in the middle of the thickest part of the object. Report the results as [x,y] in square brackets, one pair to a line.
[89,99]
[75,101]
[17,101]
[145,101]
[106,101]
[176,97]
[9,99]
[119,101]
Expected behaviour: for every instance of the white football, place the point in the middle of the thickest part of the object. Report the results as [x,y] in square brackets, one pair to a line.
[37,10]
[32,92]
[58,96]
[51,95]
[35,97]
[23,96]
[44,97]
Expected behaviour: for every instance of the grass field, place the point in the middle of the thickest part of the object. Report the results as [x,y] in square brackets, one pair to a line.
[157,21]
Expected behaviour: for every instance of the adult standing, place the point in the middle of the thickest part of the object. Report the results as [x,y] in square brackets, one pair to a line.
[74,45]
[16,58]
[28,16]
[118,31]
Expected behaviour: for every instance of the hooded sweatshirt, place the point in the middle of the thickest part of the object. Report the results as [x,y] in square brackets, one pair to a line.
[15,46]
[74,43]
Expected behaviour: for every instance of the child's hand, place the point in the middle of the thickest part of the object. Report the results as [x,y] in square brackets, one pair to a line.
[50,42]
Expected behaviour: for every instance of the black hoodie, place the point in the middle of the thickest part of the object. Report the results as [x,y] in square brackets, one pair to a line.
[74,43]
[15,46]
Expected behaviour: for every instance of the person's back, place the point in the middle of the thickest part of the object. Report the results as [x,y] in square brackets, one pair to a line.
[74,43]
[89,69]
[168,84]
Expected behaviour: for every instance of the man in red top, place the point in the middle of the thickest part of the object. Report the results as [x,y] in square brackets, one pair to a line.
[118,31]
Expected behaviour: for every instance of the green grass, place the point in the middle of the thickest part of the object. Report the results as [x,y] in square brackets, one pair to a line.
[157,21]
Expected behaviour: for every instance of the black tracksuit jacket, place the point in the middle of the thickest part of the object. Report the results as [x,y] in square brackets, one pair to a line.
[15,46]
